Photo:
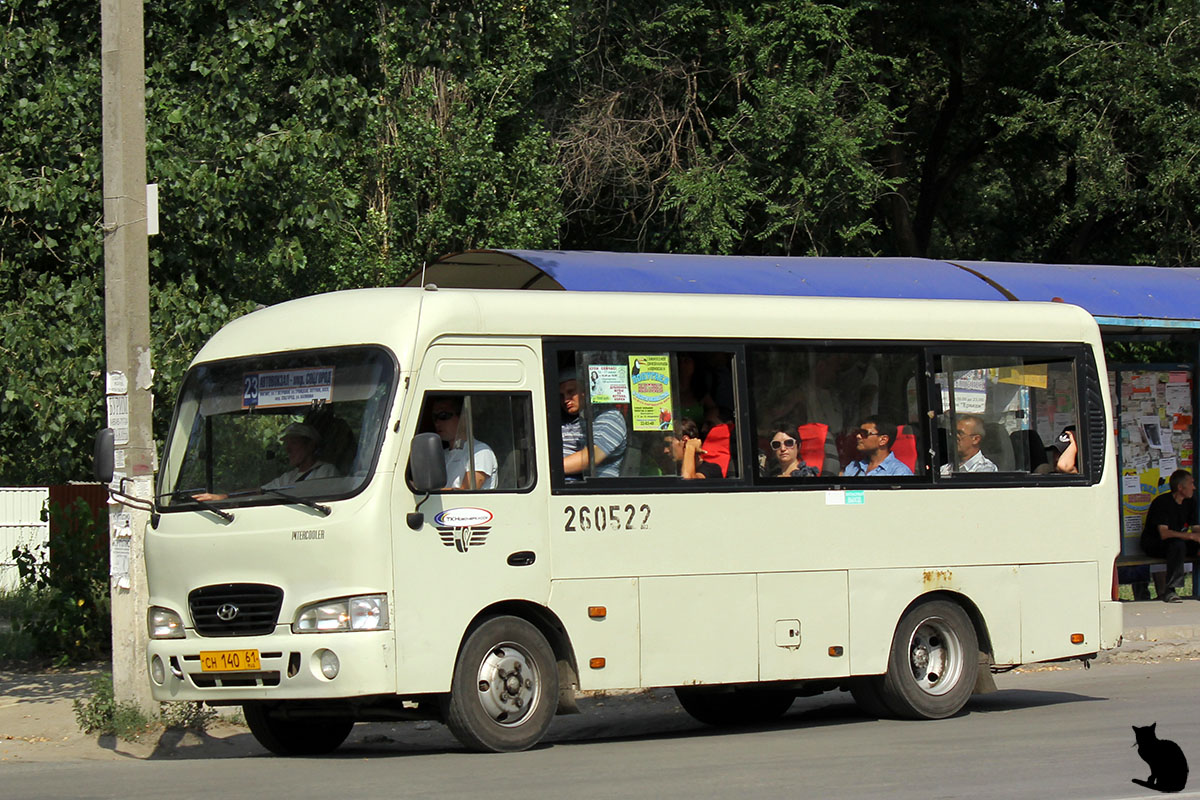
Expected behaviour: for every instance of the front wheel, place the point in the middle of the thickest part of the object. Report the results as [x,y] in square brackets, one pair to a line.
[736,707]
[291,737]
[505,687]
[933,662]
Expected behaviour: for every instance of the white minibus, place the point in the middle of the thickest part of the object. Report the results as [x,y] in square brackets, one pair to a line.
[470,505]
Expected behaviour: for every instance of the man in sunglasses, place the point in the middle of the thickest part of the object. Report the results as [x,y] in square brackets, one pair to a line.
[873,441]
[460,472]
[969,434]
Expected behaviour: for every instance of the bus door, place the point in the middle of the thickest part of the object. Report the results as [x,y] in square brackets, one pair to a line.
[483,537]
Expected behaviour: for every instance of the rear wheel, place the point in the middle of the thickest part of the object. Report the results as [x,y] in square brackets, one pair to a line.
[292,737]
[736,707]
[933,662]
[505,687]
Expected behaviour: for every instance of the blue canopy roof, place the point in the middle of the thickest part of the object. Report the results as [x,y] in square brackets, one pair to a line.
[1120,297]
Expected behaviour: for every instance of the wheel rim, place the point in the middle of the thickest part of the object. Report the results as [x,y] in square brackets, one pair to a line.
[508,684]
[935,656]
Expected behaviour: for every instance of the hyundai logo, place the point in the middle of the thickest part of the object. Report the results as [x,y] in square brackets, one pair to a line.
[227,612]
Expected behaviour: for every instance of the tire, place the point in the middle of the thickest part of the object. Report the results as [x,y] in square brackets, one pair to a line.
[290,737]
[736,707]
[867,693]
[505,687]
[933,662]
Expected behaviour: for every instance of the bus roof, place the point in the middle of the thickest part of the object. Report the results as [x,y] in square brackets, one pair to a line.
[1118,296]
[403,318]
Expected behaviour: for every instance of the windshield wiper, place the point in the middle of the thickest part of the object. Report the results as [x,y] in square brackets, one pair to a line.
[304,501]
[185,495]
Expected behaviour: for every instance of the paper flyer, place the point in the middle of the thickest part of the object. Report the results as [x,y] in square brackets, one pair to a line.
[607,384]
[650,387]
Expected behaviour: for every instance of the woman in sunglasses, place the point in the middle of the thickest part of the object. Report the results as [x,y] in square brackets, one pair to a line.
[785,445]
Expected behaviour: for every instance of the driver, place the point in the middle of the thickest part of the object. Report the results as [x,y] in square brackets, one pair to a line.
[300,443]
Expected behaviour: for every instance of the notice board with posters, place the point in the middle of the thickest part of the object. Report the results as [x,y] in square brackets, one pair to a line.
[1154,437]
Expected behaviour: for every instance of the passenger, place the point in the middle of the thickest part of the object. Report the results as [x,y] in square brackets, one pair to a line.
[1065,452]
[446,413]
[686,450]
[785,444]
[609,435]
[300,443]
[873,442]
[1169,532]
[970,439]
[694,401]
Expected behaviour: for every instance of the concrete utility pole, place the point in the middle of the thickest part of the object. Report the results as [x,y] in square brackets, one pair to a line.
[127,328]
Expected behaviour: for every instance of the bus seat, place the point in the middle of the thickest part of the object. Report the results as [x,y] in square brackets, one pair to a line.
[631,463]
[508,476]
[905,447]
[1028,451]
[718,446]
[997,447]
[813,437]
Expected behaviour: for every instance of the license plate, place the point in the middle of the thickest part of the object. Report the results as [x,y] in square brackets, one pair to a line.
[229,660]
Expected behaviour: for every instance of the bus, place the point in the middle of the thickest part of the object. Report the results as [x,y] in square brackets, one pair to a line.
[469,505]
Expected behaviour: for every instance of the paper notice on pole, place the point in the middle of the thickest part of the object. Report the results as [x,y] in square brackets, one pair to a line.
[1133,524]
[115,383]
[1167,465]
[1130,483]
[118,417]
[120,546]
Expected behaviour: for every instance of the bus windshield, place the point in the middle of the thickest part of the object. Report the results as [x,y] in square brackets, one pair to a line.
[262,429]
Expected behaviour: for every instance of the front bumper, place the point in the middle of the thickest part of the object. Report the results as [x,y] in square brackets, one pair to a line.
[289,668]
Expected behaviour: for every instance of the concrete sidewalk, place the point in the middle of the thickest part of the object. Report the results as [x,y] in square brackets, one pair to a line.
[1155,630]
[37,719]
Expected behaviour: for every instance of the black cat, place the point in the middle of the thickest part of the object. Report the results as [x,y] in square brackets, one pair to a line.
[1168,767]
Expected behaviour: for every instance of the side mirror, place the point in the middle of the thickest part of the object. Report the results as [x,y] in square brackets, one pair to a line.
[426,463]
[103,459]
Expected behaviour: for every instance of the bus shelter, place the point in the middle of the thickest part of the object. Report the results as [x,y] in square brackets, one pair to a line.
[1154,400]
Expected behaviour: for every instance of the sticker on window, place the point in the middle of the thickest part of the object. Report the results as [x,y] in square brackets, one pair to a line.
[650,379]
[287,387]
[607,384]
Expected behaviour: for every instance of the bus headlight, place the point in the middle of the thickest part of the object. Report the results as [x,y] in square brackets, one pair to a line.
[163,623]
[366,612]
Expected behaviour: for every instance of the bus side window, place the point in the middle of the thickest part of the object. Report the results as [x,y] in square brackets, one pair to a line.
[487,438]
[809,405]
[1002,413]
[625,413]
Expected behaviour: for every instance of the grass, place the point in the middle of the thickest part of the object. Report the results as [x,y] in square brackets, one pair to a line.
[1125,590]
[15,647]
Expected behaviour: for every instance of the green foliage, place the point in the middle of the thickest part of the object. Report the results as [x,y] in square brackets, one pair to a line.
[303,147]
[100,713]
[15,646]
[194,716]
[68,615]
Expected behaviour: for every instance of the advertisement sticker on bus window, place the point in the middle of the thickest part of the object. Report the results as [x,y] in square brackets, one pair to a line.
[287,387]
[970,392]
[850,497]
[650,384]
[607,384]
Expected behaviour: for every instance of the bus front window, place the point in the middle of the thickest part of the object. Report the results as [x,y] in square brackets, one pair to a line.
[261,429]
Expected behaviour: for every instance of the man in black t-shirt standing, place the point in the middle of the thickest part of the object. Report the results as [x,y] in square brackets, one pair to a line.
[1170,532]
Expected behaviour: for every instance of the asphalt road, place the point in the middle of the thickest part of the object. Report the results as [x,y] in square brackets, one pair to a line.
[1055,732]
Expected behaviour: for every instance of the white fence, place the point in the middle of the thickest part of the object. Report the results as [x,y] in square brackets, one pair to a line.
[20,524]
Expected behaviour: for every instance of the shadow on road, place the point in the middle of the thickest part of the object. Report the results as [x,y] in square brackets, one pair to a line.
[645,717]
